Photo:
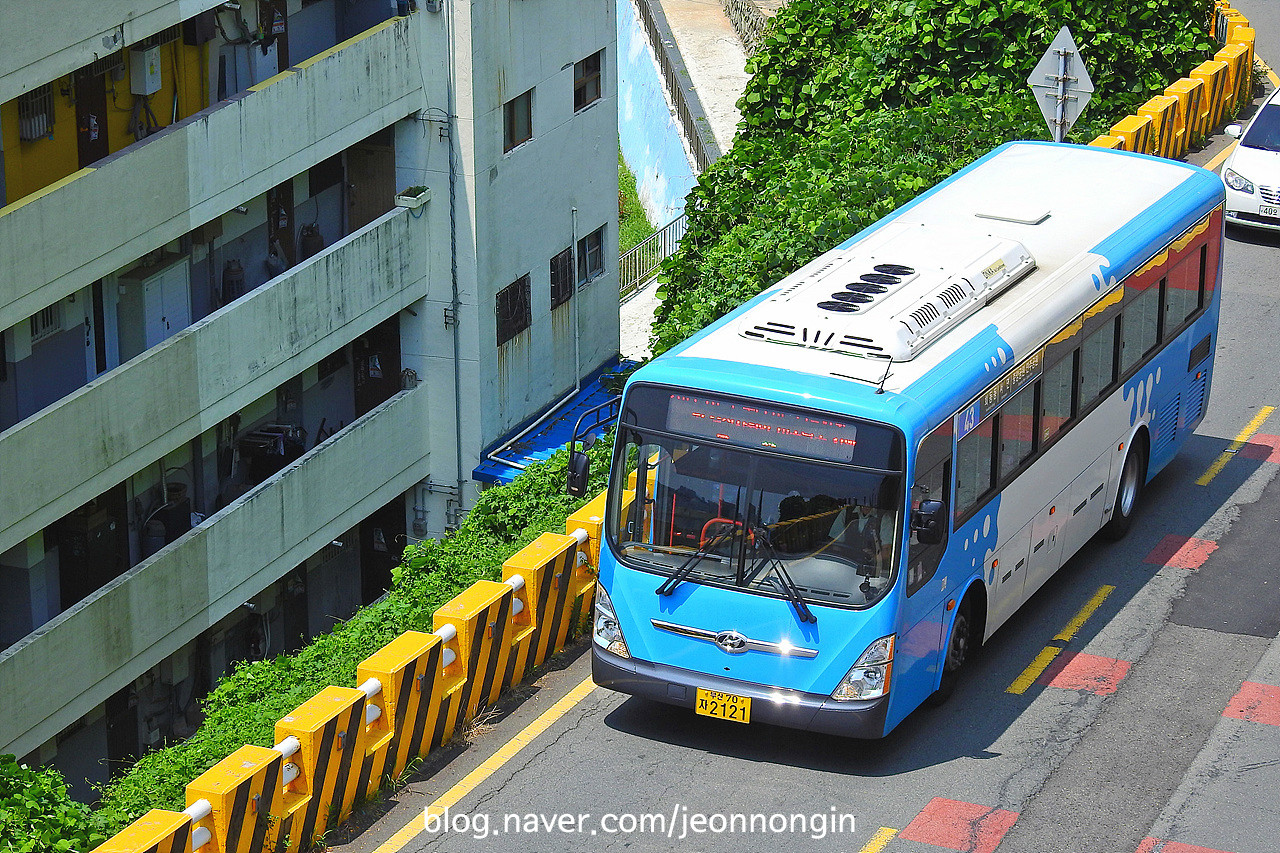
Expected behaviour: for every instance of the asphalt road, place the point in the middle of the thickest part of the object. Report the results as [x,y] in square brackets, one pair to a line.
[1121,745]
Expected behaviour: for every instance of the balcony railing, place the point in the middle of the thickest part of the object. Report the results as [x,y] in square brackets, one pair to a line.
[74,450]
[72,664]
[95,221]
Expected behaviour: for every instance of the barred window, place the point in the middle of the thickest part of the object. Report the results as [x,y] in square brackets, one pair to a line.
[35,113]
[513,310]
[562,277]
[46,323]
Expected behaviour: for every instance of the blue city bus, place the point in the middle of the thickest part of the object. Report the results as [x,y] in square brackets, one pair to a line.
[820,505]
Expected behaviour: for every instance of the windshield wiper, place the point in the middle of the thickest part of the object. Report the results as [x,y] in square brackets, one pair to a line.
[772,559]
[685,569]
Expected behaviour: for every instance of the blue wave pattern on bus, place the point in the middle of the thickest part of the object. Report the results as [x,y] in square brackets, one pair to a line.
[981,536]
[1139,392]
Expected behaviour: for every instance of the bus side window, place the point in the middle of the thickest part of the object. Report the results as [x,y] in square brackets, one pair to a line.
[932,483]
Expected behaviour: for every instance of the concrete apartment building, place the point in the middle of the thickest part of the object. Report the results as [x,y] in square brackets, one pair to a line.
[239,364]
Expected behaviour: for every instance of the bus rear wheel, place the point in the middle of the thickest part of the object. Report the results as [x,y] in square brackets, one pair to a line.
[959,648]
[1132,476]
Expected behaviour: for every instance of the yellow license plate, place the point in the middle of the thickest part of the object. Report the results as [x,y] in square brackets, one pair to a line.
[726,706]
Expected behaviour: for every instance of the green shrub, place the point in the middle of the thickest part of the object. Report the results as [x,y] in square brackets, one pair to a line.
[37,813]
[855,107]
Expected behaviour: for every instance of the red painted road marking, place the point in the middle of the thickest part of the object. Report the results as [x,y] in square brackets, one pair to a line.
[1155,845]
[966,827]
[1262,447]
[1181,552]
[1079,671]
[1257,703]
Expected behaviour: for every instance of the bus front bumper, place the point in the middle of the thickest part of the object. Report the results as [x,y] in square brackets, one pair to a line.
[811,712]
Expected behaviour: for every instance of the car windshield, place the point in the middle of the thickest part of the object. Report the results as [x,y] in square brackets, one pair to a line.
[1264,130]
[763,522]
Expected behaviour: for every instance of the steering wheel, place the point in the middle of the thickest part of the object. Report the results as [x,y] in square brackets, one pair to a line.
[704,539]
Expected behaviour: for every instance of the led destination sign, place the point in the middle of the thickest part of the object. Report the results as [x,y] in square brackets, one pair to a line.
[757,427]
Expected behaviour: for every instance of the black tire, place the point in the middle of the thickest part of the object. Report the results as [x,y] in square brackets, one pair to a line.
[1132,478]
[959,650]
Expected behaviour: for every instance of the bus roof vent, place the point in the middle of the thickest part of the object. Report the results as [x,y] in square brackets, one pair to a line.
[892,301]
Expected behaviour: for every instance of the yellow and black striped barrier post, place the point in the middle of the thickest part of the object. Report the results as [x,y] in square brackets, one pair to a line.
[1190,95]
[244,794]
[1136,133]
[1239,77]
[480,615]
[547,565]
[408,668]
[1217,77]
[327,728]
[1163,112]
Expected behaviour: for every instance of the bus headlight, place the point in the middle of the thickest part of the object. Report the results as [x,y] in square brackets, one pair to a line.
[604,628]
[1237,182]
[869,677]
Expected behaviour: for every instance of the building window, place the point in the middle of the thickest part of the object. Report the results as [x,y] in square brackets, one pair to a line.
[47,323]
[586,81]
[518,121]
[35,113]
[513,312]
[562,277]
[591,256]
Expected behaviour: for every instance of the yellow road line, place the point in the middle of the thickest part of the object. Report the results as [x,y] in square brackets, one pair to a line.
[879,841]
[1085,612]
[508,751]
[1245,434]
[1221,156]
[1031,673]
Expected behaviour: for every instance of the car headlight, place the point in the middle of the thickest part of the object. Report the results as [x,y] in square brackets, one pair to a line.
[1237,182]
[869,677]
[604,628]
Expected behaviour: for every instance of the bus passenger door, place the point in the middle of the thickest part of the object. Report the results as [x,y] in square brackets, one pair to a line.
[1046,542]
[918,658]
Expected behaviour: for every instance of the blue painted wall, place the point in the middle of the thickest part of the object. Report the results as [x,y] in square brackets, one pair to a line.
[647,131]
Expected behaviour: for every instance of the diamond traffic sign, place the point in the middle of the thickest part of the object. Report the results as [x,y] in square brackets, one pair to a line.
[1061,84]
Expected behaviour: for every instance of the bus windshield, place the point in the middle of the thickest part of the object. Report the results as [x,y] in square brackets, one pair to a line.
[757,520]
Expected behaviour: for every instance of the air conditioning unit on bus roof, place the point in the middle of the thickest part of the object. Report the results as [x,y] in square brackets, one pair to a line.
[891,299]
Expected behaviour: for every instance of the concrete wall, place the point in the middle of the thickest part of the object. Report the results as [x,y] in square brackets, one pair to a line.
[130,625]
[651,142]
[67,34]
[513,213]
[94,438]
[570,163]
[159,189]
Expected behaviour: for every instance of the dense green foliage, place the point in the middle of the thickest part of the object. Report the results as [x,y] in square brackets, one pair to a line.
[37,814]
[856,106]
[633,225]
[245,705]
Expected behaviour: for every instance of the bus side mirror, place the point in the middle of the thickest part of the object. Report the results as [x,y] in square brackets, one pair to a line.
[929,522]
[579,474]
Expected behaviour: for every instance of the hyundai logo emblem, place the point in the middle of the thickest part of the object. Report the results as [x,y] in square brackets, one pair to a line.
[731,642]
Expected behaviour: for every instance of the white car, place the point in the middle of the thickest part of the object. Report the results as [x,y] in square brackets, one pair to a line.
[1252,172]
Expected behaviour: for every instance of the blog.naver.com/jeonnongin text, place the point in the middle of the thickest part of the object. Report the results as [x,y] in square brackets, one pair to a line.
[678,824]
